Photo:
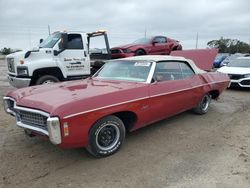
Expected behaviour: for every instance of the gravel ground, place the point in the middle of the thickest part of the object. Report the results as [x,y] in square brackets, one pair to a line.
[187,150]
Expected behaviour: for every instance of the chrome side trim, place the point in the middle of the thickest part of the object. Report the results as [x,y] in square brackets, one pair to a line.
[112,105]
[108,106]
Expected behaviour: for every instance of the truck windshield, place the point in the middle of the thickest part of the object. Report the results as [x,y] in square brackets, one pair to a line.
[131,71]
[50,41]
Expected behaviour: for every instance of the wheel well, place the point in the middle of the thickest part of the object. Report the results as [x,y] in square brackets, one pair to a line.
[54,71]
[128,118]
[179,47]
[141,50]
[214,93]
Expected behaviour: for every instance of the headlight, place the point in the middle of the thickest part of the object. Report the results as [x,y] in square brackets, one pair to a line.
[127,50]
[247,75]
[54,130]
[22,71]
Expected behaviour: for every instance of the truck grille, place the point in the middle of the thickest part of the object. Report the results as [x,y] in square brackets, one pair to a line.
[10,64]
[115,51]
[235,76]
[32,119]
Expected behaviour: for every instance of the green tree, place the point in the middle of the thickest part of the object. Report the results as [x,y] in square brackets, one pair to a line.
[229,46]
[6,51]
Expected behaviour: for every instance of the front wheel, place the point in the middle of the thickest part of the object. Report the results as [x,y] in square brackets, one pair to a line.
[140,52]
[203,105]
[106,136]
[46,79]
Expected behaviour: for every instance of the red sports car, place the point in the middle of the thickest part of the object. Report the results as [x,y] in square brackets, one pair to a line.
[157,45]
[125,95]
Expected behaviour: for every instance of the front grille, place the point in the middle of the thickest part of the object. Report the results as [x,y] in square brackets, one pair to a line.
[10,64]
[235,76]
[32,119]
[245,82]
[115,51]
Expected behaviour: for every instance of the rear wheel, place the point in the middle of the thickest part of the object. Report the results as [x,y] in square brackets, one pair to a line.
[140,52]
[203,105]
[46,79]
[106,136]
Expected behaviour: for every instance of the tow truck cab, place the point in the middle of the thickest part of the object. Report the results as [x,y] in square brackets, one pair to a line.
[62,56]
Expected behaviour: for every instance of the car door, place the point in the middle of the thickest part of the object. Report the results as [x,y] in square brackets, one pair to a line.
[172,91]
[158,46]
[74,59]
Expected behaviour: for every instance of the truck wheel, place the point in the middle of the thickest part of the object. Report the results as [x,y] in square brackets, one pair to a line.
[203,105]
[106,136]
[140,52]
[46,79]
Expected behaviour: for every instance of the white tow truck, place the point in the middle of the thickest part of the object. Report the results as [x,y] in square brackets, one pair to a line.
[62,56]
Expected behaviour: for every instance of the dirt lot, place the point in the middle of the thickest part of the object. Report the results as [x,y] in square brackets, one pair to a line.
[187,150]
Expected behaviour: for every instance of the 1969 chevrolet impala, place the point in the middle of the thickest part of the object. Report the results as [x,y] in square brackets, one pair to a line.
[126,94]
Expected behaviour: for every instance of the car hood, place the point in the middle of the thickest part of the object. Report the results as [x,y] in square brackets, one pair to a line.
[17,55]
[234,70]
[126,46]
[62,99]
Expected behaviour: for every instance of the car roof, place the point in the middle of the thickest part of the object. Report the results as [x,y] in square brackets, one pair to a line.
[155,58]
[159,58]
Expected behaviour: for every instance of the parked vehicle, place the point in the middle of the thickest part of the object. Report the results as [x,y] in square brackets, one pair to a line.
[62,56]
[124,95]
[157,45]
[218,60]
[239,72]
[231,58]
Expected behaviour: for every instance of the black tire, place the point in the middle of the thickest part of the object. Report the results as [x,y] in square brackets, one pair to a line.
[46,79]
[203,105]
[140,52]
[106,136]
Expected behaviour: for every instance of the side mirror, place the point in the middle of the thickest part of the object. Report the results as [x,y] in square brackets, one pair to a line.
[40,41]
[55,52]
[154,42]
[64,42]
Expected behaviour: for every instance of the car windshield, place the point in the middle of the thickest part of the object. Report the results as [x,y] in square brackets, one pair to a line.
[132,71]
[142,41]
[50,41]
[239,63]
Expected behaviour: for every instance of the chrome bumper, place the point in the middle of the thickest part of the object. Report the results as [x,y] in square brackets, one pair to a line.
[53,130]
[19,82]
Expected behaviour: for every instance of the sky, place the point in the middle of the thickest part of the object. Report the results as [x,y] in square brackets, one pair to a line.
[24,22]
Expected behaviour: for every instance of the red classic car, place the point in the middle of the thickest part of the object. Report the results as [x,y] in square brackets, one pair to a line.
[125,95]
[157,45]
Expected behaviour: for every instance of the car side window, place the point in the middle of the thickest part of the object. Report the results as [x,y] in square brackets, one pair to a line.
[172,71]
[75,41]
[160,39]
[186,70]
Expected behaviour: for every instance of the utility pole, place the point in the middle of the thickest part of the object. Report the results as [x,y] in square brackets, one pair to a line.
[49,29]
[29,38]
[197,39]
[145,33]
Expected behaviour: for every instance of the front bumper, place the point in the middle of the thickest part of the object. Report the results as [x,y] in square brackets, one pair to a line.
[245,82]
[19,82]
[34,120]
